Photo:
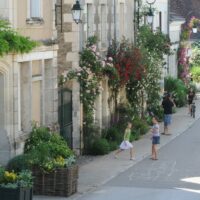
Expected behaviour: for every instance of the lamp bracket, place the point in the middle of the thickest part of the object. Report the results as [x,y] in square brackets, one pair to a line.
[150,2]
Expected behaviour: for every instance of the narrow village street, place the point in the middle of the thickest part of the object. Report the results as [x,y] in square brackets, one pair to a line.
[175,175]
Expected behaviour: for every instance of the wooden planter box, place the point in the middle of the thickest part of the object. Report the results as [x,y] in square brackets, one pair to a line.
[60,182]
[16,194]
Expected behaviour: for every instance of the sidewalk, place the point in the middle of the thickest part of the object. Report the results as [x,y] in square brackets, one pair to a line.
[101,169]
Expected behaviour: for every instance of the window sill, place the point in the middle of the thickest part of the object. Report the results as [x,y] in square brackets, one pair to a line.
[35,20]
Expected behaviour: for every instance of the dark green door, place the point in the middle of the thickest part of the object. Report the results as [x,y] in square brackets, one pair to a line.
[65,115]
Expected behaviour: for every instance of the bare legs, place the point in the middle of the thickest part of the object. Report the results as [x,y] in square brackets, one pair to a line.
[166,130]
[131,154]
[154,152]
[117,152]
[120,150]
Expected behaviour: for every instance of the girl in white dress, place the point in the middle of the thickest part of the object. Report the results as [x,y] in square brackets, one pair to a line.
[126,142]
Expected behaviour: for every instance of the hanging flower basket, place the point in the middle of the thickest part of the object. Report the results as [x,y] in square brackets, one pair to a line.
[60,182]
[15,193]
[194,29]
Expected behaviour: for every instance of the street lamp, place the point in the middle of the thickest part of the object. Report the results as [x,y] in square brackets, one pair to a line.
[76,12]
[150,13]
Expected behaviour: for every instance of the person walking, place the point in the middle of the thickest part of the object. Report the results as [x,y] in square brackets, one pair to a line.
[155,138]
[167,105]
[126,142]
[190,97]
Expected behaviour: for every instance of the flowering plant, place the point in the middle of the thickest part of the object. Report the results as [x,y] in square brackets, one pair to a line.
[11,179]
[47,150]
[194,22]
[92,68]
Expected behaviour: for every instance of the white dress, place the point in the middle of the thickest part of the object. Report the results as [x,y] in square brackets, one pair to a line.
[126,145]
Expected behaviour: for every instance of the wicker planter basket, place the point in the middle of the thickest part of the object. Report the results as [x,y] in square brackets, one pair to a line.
[60,182]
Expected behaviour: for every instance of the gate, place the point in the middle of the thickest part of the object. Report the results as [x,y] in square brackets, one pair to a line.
[65,115]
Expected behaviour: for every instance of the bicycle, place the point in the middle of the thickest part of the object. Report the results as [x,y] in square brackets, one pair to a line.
[193,109]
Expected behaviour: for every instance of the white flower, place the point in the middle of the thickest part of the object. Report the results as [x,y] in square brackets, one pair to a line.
[94,48]
[65,74]
[103,63]
[110,65]
[110,59]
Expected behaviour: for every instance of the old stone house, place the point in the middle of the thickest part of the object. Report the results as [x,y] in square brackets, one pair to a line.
[28,82]
[108,20]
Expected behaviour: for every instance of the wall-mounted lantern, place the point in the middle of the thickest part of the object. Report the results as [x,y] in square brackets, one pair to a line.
[76,12]
[150,13]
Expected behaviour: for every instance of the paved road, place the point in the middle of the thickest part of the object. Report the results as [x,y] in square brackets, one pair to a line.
[175,176]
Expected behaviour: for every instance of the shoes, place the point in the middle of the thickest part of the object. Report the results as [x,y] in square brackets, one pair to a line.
[115,156]
[154,158]
[166,133]
[133,158]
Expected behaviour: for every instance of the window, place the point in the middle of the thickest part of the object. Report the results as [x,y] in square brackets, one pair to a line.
[103,25]
[35,9]
[31,86]
[90,20]
[121,20]
[4,9]
[36,101]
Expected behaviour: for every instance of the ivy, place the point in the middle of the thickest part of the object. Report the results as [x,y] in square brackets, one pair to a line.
[11,41]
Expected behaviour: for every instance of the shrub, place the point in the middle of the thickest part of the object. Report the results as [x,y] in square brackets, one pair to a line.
[178,90]
[113,145]
[100,147]
[140,125]
[47,150]
[49,144]
[195,74]
[19,163]
[136,134]
[113,134]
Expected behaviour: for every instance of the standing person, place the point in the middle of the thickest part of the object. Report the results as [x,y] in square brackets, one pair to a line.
[167,105]
[190,98]
[126,142]
[155,138]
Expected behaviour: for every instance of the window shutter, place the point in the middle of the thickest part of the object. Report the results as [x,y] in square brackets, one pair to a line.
[160,21]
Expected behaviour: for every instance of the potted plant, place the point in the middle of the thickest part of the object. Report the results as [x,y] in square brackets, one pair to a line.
[194,23]
[15,186]
[52,162]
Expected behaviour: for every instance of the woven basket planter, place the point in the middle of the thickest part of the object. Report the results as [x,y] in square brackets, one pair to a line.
[60,182]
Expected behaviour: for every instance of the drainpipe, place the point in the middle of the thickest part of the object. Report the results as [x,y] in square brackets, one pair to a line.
[115,24]
[168,32]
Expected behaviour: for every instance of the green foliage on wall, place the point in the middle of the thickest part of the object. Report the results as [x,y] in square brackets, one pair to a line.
[13,42]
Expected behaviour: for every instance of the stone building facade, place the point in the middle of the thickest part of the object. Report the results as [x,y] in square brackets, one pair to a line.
[107,20]
[28,82]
